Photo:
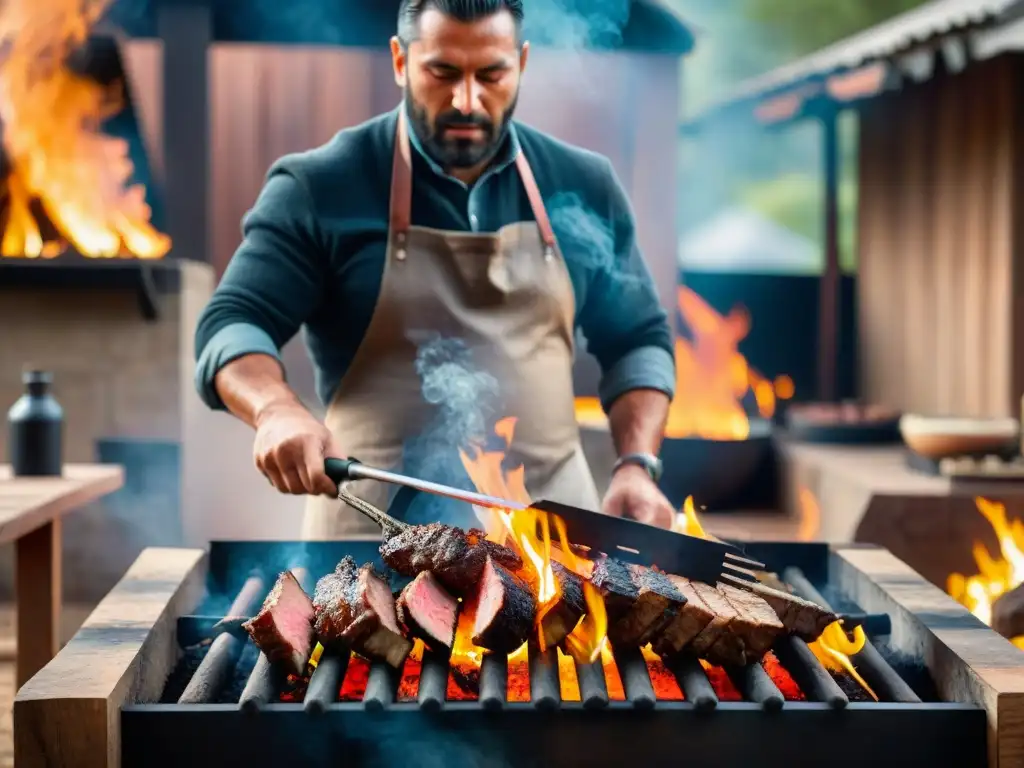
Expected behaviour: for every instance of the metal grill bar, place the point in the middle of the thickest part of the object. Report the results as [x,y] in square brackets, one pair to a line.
[216,667]
[493,681]
[876,671]
[636,681]
[381,686]
[755,685]
[325,682]
[593,686]
[266,681]
[813,679]
[433,681]
[545,690]
[694,681]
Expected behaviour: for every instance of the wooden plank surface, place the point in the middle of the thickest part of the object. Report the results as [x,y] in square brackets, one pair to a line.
[969,662]
[122,654]
[26,503]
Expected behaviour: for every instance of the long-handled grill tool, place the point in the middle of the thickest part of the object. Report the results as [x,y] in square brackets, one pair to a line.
[695,558]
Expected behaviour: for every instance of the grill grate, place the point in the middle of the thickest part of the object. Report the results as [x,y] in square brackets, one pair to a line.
[266,683]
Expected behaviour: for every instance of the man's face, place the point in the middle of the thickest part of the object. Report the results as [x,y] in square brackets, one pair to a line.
[461,81]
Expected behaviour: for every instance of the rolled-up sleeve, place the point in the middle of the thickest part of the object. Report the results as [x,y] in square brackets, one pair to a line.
[622,319]
[272,283]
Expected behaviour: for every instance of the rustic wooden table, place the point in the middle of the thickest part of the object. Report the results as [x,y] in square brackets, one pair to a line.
[31,510]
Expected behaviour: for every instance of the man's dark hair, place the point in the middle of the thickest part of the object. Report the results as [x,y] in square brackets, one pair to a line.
[409,12]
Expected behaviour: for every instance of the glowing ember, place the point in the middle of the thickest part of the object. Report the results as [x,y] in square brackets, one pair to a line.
[357,675]
[464,666]
[530,533]
[721,683]
[568,680]
[783,680]
[834,649]
[517,689]
[612,679]
[409,686]
[712,378]
[996,575]
[56,151]
[664,683]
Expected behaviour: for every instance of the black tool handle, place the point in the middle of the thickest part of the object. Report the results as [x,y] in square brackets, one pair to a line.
[340,470]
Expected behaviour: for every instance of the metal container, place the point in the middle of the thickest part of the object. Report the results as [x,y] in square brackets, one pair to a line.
[35,428]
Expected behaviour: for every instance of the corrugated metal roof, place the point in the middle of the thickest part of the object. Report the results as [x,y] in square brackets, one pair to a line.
[899,34]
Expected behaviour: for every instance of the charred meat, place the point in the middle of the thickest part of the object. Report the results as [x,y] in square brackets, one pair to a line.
[688,622]
[640,601]
[570,605]
[801,617]
[428,612]
[283,628]
[354,607]
[503,609]
[456,557]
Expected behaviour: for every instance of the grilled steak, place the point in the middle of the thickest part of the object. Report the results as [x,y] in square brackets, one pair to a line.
[563,616]
[503,607]
[688,622]
[801,617]
[283,628]
[428,612]
[756,628]
[455,557]
[640,601]
[354,607]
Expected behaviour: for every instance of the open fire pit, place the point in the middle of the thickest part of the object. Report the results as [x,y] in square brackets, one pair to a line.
[950,691]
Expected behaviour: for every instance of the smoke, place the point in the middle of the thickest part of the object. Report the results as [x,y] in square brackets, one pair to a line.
[588,239]
[465,401]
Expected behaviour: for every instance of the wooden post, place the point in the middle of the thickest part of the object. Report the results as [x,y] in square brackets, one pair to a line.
[69,714]
[828,321]
[38,589]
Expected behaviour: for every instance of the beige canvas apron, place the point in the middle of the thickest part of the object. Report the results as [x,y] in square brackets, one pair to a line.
[509,298]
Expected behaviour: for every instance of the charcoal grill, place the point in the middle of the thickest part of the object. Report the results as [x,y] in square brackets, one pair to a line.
[944,680]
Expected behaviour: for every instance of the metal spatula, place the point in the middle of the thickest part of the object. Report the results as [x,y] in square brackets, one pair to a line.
[695,558]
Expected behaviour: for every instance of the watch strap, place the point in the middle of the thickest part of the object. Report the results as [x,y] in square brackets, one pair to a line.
[648,461]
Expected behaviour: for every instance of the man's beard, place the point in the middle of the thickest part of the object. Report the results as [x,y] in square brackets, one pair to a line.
[457,153]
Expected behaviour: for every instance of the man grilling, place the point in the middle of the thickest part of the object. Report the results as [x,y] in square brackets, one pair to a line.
[429,223]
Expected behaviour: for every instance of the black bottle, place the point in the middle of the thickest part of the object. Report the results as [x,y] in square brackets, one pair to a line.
[35,426]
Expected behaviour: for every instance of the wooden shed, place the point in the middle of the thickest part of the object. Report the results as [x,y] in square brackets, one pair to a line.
[939,92]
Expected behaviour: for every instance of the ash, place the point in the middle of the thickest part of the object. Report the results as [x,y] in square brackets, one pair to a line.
[189,662]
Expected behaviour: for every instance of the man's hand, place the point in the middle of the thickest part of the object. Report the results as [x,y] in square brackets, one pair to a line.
[632,493]
[290,449]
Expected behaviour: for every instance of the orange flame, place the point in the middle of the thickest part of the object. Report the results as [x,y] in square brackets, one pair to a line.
[57,154]
[996,575]
[519,529]
[712,378]
[834,649]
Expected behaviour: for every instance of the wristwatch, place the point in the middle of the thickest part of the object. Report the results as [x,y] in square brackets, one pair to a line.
[651,463]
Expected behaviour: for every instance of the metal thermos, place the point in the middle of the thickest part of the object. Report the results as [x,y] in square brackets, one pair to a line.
[35,427]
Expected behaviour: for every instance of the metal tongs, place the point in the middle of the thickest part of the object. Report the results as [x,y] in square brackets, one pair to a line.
[705,560]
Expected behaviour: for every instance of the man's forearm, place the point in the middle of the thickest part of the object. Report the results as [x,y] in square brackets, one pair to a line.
[253,386]
[637,421]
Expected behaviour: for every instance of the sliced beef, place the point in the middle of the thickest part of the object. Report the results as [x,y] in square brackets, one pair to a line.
[283,628]
[723,612]
[562,617]
[688,622]
[455,557]
[755,629]
[354,607]
[801,617]
[504,609]
[640,601]
[428,612]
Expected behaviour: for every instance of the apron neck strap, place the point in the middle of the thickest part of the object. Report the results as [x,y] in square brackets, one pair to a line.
[401,187]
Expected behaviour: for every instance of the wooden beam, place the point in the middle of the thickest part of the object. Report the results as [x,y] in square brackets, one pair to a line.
[828,321]
[37,579]
[69,713]
[968,661]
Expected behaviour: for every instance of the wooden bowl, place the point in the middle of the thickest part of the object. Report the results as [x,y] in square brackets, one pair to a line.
[942,437]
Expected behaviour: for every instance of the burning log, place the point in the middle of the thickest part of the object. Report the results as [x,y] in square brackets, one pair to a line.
[504,608]
[283,627]
[354,608]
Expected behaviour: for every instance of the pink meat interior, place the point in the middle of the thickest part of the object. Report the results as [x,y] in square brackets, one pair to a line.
[379,597]
[293,616]
[490,598]
[434,608]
